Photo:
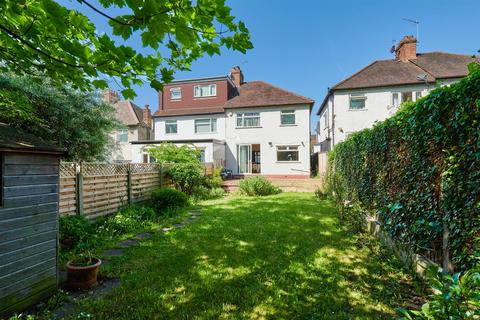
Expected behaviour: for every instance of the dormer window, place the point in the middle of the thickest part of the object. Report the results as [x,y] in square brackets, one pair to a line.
[175,94]
[207,90]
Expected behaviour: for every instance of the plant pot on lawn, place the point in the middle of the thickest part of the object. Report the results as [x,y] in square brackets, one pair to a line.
[82,272]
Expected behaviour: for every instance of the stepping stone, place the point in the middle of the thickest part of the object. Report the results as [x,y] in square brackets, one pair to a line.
[106,286]
[64,310]
[127,243]
[178,225]
[143,236]
[112,253]
[166,229]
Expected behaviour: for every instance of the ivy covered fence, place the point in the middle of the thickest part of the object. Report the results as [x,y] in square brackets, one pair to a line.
[419,171]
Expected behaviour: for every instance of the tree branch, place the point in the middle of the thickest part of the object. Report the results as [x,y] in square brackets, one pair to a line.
[104,14]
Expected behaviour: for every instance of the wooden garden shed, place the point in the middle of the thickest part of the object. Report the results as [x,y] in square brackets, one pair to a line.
[29,173]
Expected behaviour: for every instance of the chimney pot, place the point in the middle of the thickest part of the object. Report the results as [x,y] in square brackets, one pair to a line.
[237,76]
[406,49]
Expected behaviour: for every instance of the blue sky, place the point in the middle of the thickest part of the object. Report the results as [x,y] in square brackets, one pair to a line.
[307,46]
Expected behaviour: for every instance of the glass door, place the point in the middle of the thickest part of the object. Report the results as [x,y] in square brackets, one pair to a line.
[244,158]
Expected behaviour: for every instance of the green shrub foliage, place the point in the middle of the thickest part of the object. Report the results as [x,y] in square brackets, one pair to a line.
[420,171]
[167,198]
[74,230]
[257,186]
[455,297]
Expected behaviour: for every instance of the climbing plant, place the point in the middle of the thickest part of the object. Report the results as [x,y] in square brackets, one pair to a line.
[419,171]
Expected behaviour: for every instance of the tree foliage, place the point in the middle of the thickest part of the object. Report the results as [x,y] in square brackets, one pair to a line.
[45,38]
[419,171]
[183,163]
[78,122]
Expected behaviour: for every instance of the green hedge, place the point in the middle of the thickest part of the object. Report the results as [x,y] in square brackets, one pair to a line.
[420,172]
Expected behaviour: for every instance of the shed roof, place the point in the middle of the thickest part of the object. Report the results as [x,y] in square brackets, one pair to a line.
[16,139]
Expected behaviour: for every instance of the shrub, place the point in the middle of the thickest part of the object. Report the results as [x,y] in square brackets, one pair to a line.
[204,193]
[183,165]
[418,170]
[127,219]
[455,297]
[257,186]
[320,194]
[214,181]
[168,198]
[75,231]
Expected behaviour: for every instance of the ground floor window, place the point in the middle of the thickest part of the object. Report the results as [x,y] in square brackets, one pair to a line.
[287,153]
[201,155]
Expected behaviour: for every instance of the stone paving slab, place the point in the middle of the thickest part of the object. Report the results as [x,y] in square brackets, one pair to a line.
[143,236]
[112,253]
[127,243]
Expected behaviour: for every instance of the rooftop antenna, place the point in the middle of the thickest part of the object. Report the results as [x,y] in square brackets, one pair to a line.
[417,24]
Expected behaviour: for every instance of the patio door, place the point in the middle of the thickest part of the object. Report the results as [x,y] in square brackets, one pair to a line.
[244,158]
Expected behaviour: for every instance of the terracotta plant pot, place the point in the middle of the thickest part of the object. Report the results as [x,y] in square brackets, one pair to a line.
[82,277]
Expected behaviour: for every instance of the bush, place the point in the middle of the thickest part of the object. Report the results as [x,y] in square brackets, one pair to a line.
[182,163]
[204,193]
[320,194]
[127,219]
[168,198]
[257,186]
[214,181]
[455,297]
[75,231]
[418,170]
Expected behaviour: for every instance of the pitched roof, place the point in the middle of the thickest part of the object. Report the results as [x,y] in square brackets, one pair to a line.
[437,65]
[262,94]
[128,113]
[13,138]
[383,73]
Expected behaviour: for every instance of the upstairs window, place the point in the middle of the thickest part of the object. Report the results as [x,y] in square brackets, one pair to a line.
[248,119]
[205,125]
[122,135]
[418,95]
[404,96]
[357,101]
[287,117]
[407,96]
[175,94]
[208,90]
[287,153]
[170,126]
[395,99]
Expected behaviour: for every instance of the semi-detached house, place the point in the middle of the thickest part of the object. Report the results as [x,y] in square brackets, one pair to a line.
[248,127]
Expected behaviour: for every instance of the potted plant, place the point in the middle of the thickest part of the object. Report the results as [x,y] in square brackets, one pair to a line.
[82,271]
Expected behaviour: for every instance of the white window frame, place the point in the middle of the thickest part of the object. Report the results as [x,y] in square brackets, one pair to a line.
[247,115]
[212,90]
[288,113]
[358,97]
[202,151]
[171,122]
[122,132]
[176,90]
[212,124]
[289,149]
[399,98]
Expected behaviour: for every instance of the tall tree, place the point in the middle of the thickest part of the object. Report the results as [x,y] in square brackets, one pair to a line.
[44,38]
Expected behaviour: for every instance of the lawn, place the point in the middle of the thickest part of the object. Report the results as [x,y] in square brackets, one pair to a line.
[277,257]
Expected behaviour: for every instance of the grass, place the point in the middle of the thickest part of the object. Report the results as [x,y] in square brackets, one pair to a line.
[276,257]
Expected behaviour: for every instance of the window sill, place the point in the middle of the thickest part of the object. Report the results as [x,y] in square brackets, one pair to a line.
[175,100]
[288,161]
[213,132]
[365,109]
[203,98]
[256,127]
[289,125]
[171,134]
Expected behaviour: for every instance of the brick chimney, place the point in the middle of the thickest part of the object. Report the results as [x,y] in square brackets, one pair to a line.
[147,115]
[110,96]
[237,76]
[406,49]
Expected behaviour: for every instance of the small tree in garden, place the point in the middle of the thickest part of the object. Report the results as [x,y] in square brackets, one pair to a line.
[184,166]
[78,122]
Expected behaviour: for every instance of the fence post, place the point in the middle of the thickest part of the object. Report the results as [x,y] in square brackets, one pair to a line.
[79,188]
[161,175]
[129,184]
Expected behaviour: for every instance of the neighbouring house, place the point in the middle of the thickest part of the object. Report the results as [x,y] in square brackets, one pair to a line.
[137,125]
[375,92]
[248,127]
